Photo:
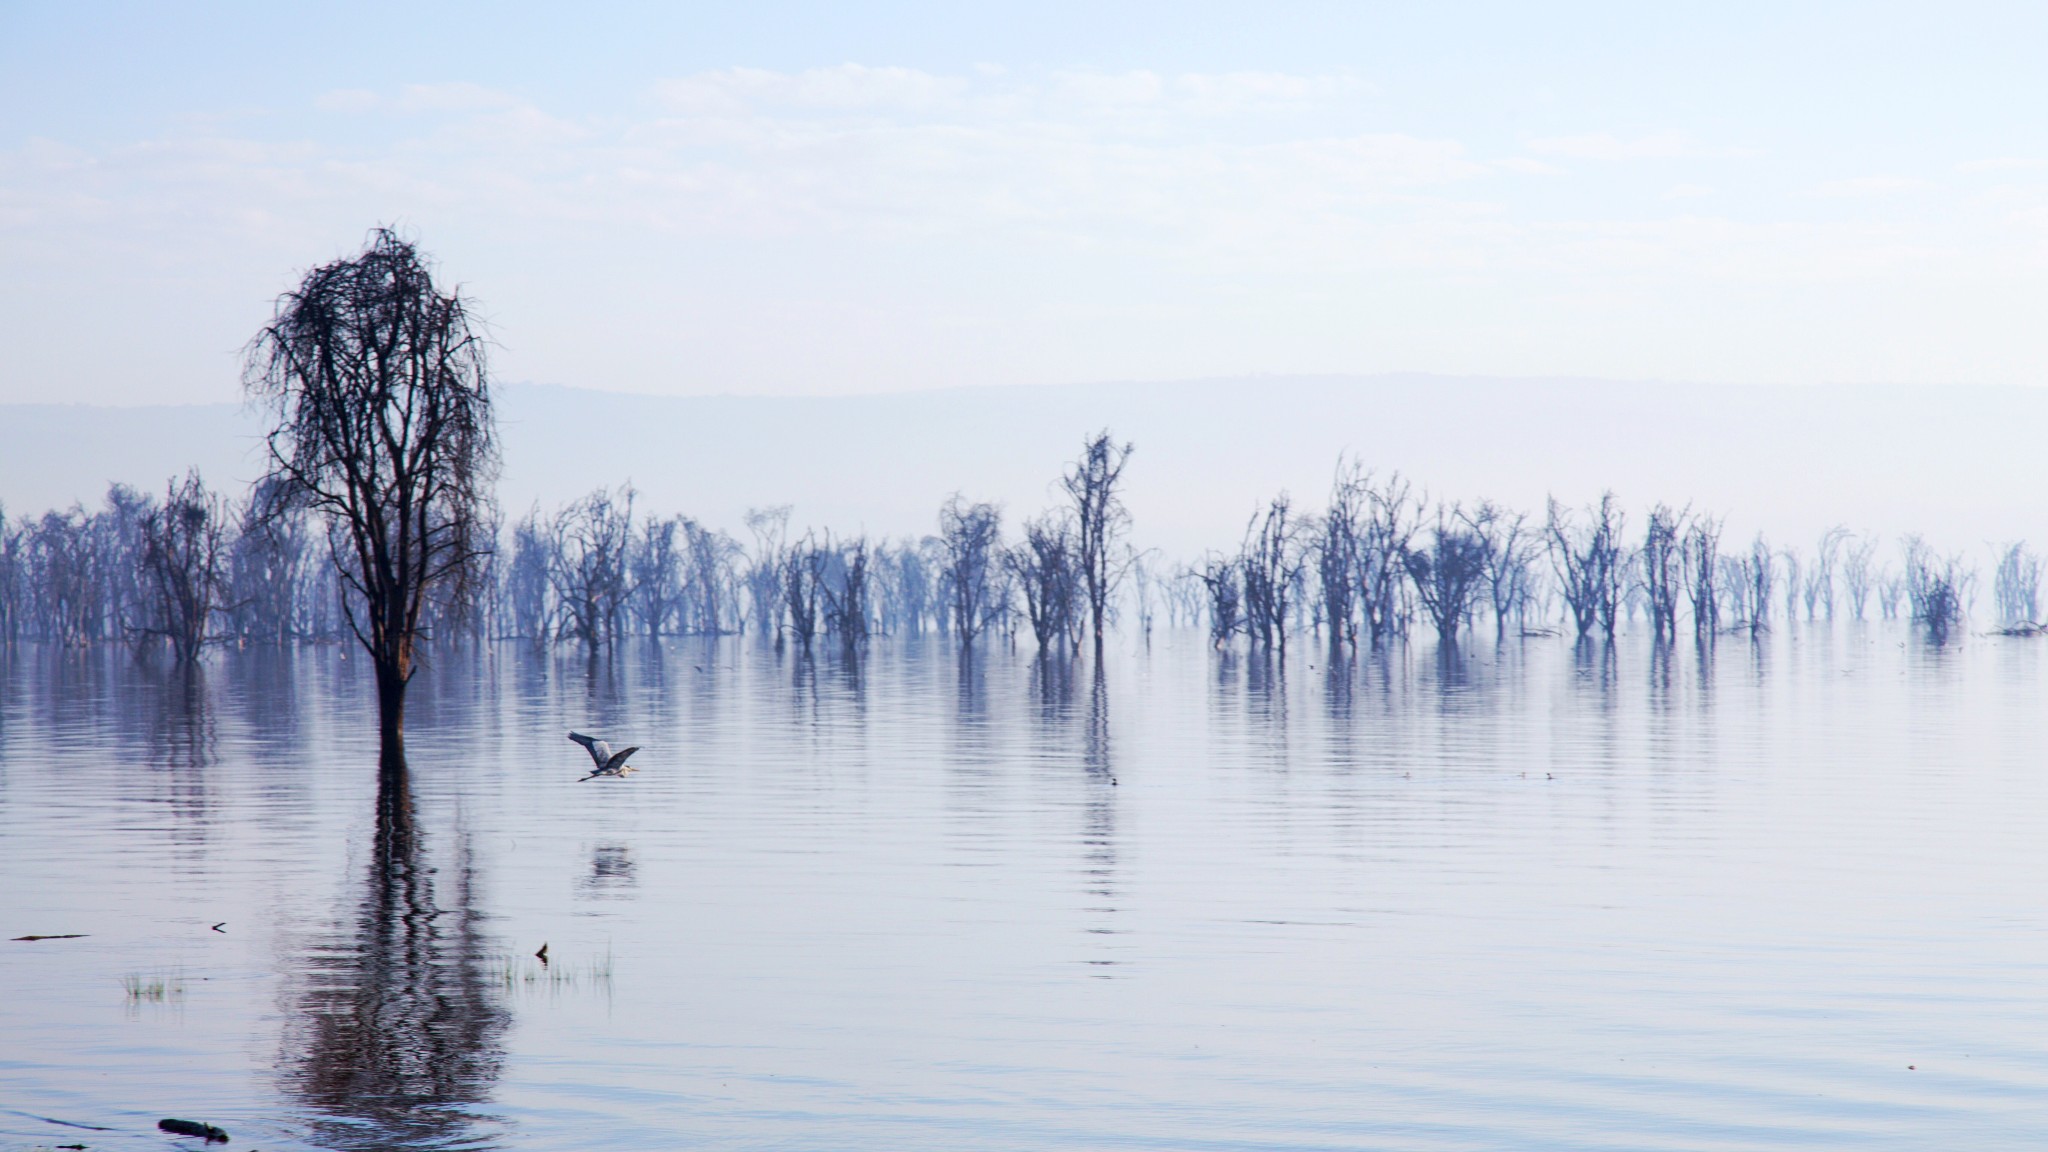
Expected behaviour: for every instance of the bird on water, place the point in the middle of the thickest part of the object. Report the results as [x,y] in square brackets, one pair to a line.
[609,763]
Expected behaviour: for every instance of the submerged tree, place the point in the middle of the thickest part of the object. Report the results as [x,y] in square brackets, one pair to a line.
[1661,569]
[1510,562]
[1588,558]
[1270,568]
[184,557]
[1044,569]
[377,386]
[1449,570]
[1091,485]
[1702,561]
[1335,548]
[590,541]
[971,572]
[2016,586]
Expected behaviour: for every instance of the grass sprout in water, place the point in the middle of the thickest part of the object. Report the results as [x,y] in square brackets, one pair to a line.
[531,974]
[153,987]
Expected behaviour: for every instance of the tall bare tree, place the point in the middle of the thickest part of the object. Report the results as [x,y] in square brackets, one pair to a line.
[1662,569]
[1702,559]
[1099,522]
[1589,562]
[376,383]
[1336,548]
[971,536]
[1510,562]
[1270,567]
[591,576]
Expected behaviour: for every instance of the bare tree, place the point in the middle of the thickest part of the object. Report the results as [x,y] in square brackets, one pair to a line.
[1937,588]
[1269,568]
[971,536]
[1857,574]
[803,580]
[1820,585]
[589,544]
[1225,587]
[657,565]
[1336,547]
[1761,569]
[1589,563]
[1393,515]
[1510,562]
[1100,520]
[1795,583]
[1450,572]
[767,569]
[67,575]
[12,562]
[378,389]
[1702,561]
[1662,568]
[2016,586]
[184,555]
[840,574]
[1048,578]
[529,580]
[267,569]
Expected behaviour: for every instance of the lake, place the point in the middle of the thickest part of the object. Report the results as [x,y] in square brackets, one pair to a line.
[1794,895]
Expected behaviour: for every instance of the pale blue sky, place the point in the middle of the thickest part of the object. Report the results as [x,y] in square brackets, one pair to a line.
[830,199]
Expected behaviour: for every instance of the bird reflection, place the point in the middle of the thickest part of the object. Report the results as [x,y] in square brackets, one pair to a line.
[400,1023]
[612,872]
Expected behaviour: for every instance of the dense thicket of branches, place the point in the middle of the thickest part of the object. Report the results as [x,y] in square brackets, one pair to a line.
[376,384]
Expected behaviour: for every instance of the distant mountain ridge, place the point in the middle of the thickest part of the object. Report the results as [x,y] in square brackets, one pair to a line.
[1961,464]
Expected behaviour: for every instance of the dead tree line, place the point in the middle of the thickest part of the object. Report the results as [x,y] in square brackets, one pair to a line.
[189,568]
[1380,558]
[589,574]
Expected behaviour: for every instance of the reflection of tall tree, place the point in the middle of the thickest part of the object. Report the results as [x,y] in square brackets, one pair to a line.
[401,1019]
[1099,838]
[1098,831]
[183,735]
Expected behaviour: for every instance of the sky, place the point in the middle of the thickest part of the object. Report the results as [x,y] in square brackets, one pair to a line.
[838,199]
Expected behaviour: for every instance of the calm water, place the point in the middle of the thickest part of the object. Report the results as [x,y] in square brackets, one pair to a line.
[1537,901]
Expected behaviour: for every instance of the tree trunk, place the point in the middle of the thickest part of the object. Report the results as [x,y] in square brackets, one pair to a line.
[390,708]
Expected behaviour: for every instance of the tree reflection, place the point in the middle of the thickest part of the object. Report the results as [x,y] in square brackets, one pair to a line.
[401,1020]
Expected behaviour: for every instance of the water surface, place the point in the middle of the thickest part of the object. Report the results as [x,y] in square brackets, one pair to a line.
[1540,898]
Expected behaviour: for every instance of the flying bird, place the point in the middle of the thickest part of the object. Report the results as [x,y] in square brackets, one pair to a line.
[609,763]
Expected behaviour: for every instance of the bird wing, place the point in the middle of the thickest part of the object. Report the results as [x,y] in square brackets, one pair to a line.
[598,749]
[619,761]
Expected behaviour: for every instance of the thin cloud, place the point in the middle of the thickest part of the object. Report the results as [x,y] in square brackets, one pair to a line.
[1866,187]
[1602,146]
[2004,164]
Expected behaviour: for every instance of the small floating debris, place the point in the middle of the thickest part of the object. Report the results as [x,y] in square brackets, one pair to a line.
[211,1134]
[61,1123]
[58,936]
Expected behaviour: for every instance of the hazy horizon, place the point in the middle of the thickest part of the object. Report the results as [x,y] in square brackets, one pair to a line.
[1956,463]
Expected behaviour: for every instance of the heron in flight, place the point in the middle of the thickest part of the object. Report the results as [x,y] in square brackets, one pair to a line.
[609,763]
